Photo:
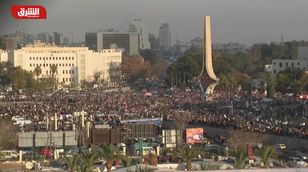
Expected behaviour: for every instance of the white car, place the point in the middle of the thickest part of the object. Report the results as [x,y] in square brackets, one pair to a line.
[22,122]
[15,118]
[9,154]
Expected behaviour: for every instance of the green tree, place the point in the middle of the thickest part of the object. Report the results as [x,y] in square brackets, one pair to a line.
[270,84]
[289,80]
[188,154]
[86,163]
[53,69]
[72,162]
[97,76]
[109,154]
[37,71]
[240,157]
[266,153]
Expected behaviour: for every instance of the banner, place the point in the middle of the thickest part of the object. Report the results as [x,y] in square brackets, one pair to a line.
[28,12]
[194,135]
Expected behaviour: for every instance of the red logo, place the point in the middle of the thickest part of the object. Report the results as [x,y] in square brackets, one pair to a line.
[28,12]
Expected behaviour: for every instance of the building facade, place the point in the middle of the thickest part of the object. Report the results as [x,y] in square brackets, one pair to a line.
[57,38]
[164,37]
[3,56]
[128,42]
[301,62]
[74,64]
[229,48]
[138,26]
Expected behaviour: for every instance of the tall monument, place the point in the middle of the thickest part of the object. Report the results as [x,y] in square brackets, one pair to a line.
[207,55]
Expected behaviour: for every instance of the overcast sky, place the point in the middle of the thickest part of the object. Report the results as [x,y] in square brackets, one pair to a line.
[243,21]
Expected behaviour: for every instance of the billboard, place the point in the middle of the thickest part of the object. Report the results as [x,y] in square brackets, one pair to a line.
[194,135]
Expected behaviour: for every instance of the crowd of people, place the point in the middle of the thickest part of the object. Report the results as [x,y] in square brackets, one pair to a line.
[286,116]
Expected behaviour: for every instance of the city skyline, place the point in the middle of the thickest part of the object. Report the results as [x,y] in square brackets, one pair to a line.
[233,21]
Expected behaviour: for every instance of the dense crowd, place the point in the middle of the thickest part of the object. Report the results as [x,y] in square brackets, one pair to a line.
[282,116]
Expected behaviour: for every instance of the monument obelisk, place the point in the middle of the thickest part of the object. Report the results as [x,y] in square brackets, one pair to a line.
[207,53]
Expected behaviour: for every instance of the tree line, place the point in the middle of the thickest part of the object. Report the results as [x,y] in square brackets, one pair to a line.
[239,69]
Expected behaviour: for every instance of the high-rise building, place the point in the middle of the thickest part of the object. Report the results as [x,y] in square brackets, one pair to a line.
[10,43]
[129,42]
[164,37]
[44,37]
[66,41]
[57,38]
[154,42]
[138,26]
[74,64]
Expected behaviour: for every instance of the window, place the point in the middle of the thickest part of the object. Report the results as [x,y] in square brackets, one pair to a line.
[30,65]
[63,72]
[73,65]
[43,58]
[56,58]
[30,58]
[53,58]
[66,72]
[49,58]
[47,64]
[60,64]
[297,63]
[69,65]
[66,64]
[66,79]
[65,58]
[287,64]
[46,72]
[280,64]
[292,64]
[40,58]
[69,71]
[63,79]
[69,58]
[72,58]
[72,71]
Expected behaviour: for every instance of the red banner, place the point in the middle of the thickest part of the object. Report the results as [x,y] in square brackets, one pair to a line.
[28,12]
[194,135]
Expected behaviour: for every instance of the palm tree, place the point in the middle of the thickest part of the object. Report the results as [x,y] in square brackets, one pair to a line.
[53,69]
[240,158]
[188,154]
[265,153]
[109,154]
[86,164]
[72,162]
[37,71]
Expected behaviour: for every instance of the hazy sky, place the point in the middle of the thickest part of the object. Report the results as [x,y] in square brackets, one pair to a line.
[244,21]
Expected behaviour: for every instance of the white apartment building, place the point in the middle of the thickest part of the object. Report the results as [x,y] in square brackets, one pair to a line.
[74,64]
[301,62]
[138,26]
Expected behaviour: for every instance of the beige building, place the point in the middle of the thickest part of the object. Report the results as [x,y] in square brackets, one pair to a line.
[3,56]
[74,64]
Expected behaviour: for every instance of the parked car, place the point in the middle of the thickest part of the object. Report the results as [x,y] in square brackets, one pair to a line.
[9,154]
